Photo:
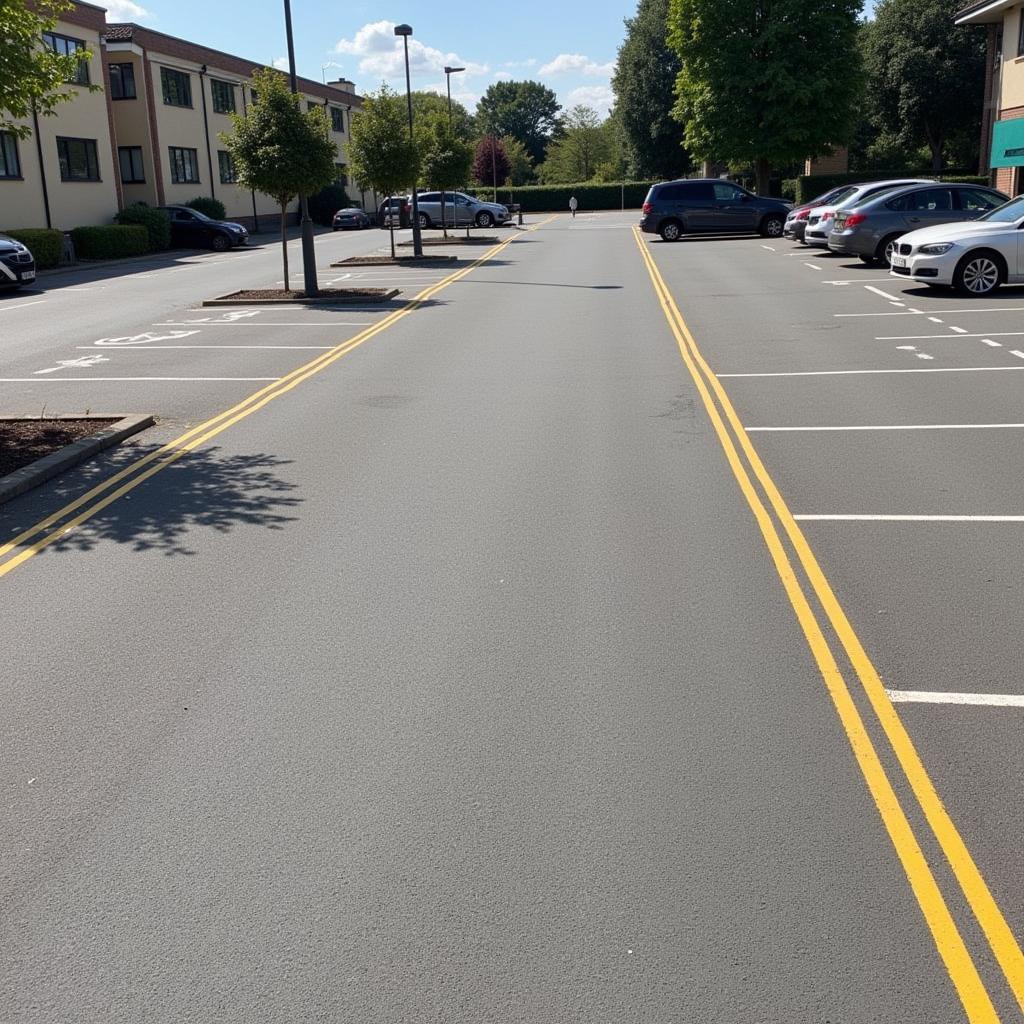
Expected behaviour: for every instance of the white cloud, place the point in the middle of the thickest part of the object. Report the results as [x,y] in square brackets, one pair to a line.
[600,97]
[281,63]
[532,62]
[125,10]
[502,75]
[382,55]
[568,63]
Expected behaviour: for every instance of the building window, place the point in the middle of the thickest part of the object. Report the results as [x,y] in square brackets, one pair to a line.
[9,165]
[1020,35]
[184,166]
[228,174]
[177,87]
[122,82]
[78,159]
[310,105]
[223,96]
[132,171]
[65,46]
[337,119]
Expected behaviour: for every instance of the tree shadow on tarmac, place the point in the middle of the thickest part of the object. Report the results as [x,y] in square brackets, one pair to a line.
[203,490]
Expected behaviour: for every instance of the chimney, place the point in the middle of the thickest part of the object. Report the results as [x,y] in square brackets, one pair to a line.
[343,84]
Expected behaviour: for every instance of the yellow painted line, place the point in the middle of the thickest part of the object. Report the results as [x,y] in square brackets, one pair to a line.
[198,435]
[948,940]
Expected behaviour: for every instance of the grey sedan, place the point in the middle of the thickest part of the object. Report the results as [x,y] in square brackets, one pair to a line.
[459,209]
[870,229]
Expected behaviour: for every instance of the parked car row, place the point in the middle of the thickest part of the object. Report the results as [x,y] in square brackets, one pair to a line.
[460,210]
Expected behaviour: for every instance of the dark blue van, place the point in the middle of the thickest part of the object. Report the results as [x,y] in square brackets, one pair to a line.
[675,208]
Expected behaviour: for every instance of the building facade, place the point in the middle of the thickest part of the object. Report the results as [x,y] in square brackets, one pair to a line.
[1002,131]
[151,135]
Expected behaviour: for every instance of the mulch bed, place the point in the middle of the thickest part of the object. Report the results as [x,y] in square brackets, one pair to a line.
[383,261]
[460,240]
[326,296]
[23,441]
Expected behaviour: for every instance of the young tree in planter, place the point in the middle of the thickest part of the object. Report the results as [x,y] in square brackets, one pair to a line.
[279,149]
[491,165]
[446,161]
[380,153]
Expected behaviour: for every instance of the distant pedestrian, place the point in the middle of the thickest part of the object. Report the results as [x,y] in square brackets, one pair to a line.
[572,206]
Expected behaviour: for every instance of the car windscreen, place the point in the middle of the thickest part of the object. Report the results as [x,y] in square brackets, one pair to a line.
[833,197]
[1013,210]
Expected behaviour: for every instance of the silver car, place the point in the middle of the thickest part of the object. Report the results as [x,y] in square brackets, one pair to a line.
[870,228]
[459,209]
[819,223]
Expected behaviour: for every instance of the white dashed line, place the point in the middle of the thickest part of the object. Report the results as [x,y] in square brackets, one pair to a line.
[894,426]
[990,342]
[958,330]
[990,700]
[1017,352]
[908,519]
[813,266]
[935,320]
[855,373]
[884,295]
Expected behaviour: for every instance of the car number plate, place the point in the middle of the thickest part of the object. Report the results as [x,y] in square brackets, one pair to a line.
[28,275]
[898,261]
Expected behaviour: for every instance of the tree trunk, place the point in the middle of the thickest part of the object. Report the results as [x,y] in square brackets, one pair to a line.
[391,226]
[444,222]
[284,242]
[936,148]
[763,171]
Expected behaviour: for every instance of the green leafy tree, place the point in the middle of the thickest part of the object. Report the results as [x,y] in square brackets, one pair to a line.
[380,153]
[584,144]
[747,95]
[528,111]
[521,170]
[32,76]
[925,76]
[426,106]
[446,161]
[644,84]
[280,149]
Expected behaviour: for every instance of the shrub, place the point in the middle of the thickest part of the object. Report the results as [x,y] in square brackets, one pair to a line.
[810,185]
[156,223]
[326,203]
[590,195]
[46,244]
[207,204]
[110,241]
[789,188]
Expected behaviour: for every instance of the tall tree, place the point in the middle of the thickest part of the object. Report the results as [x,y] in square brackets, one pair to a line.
[490,163]
[280,149]
[747,94]
[380,154]
[521,171]
[644,83]
[585,144]
[428,105]
[33,76]
[446,161]
[926,76]
[528,111]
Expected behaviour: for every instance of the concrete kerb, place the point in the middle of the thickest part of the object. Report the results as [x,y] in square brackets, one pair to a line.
[38,472]
[462,240]
[386,294]
[393,261]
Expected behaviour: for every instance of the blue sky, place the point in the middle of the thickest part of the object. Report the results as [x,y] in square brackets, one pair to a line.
[569,45]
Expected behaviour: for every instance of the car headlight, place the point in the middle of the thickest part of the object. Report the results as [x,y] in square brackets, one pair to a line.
[935,250]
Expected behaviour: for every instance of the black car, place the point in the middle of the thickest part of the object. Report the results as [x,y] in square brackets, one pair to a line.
[350,219]
[675,208]
[191,229]
[17,265]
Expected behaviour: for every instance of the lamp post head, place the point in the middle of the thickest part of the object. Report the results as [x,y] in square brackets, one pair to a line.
[452,71]
[403,30]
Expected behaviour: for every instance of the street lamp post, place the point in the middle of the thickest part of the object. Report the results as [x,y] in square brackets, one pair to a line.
[448,72]
[308,253]
[417,239]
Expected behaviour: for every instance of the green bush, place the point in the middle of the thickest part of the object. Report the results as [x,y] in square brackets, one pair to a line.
[810,185]
[110,241]
[326,203]
[590,196]
[213,208]
[46,244]
[156,223]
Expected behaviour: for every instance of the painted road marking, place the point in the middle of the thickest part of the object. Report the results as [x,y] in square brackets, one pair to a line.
[813,266]
[144,339]
[201,348]
[100,380]
[884,295]
[939,337]
[852,373]
[296,323]
[958,330]
[990,700]
[770,248]
[857,280]
[21,305]
[935,320]
[922,312]
[903,426]
[83,361]
[948,940]
[989,341]
[871,518]
[1017,352]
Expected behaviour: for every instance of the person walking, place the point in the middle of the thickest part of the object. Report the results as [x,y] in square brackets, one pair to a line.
[572,206]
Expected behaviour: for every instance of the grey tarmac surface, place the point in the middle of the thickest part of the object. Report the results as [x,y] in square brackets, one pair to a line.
[456,684]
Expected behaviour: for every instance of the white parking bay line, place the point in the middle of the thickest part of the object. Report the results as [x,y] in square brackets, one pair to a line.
[162,348]
[924,312]
[857,518]
[897,426]
[20,305]
[884,295]
[813,266]
[990,700]
[249,323]
[854,373]
[1017,352]
[937,337]
[958,330]
[100,380]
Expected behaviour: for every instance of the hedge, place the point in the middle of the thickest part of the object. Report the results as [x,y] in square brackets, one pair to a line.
[810,185]
[156,223]
[46,244]
[110,241]
[326,203]
[589,195]
[213,208]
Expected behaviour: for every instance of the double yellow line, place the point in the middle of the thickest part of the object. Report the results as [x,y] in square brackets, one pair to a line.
[948,940]
[49,530]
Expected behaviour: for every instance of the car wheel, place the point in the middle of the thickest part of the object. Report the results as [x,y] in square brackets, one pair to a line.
[979,273]
[886,249]
[220,243]
[773,226]
[866,260]
[424,221]
[670,231]
[484,219]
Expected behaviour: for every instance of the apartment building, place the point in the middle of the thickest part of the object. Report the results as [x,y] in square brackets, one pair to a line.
[151,135]
[1002,133]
